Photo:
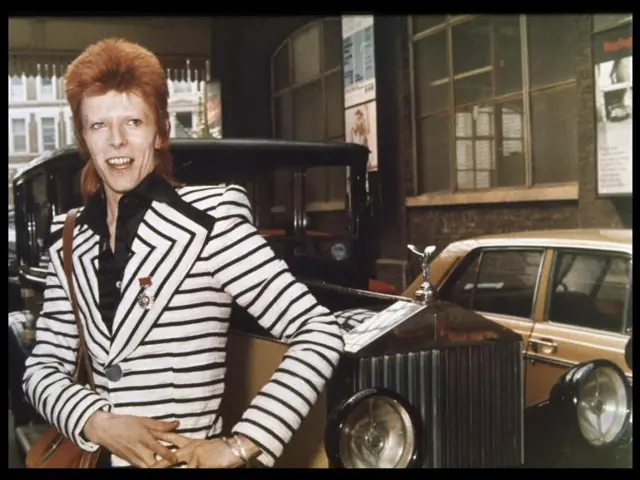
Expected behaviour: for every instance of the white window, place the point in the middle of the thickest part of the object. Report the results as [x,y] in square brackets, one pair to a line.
[18,135]
[46,88]
[48,133]
[181,86]
[17,89]
[71,138]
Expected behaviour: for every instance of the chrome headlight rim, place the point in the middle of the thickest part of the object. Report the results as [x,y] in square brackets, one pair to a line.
[567,394]
[340,414]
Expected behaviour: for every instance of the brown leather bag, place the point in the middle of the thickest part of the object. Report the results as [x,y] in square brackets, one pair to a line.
[53,450]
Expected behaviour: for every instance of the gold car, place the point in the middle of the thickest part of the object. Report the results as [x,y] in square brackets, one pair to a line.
[568,293]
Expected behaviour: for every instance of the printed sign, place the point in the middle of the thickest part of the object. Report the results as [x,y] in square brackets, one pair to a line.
[358,59]
[612,52]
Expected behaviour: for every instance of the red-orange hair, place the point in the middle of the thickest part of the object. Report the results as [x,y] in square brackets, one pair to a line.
[123,66]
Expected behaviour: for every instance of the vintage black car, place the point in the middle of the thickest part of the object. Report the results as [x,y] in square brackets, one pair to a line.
[422,383]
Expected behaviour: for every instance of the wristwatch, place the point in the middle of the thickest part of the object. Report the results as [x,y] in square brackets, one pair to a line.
[239,451]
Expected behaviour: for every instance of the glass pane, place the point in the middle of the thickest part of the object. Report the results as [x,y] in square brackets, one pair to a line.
[281,69]
[434,166]
[553,48]
[471,45]
[308,113]
[465,180]
[506,282]
[510,158]
[48,134]
[508,54]
[473,89]
[306,54]
[554,135]
[337,177]
[332,43]
[335,104]
[316,184]
[589,290]
[424,22]
[283,116]
[431,74]
[604,21]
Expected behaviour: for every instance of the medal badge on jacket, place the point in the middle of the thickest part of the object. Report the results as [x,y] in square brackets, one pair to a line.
[145,297]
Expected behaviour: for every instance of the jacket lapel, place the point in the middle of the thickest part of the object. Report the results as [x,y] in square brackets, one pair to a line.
[166,246]
[85,254]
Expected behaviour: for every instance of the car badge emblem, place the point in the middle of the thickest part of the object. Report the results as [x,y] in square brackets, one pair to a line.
[426,292]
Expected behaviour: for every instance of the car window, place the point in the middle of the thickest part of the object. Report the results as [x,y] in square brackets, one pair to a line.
[496,281]
[589,289]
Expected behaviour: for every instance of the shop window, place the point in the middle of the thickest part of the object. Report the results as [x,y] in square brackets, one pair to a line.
[308,104]
[474,109]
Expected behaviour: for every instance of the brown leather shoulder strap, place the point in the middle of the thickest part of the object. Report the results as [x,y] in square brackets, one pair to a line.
[83,355]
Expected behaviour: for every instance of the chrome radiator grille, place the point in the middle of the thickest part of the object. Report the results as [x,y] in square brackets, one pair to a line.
[469,398]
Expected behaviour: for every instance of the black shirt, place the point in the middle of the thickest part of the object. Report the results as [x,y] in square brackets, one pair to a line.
[111,264]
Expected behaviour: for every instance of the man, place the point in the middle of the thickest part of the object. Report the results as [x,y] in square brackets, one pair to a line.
[156,269]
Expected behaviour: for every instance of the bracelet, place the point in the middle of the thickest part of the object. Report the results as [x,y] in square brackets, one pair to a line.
[238,450]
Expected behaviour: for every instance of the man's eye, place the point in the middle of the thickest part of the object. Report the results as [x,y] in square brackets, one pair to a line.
[135,122]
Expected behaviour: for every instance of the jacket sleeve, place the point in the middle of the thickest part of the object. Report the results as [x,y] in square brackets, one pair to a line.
[47,380]
[246,267]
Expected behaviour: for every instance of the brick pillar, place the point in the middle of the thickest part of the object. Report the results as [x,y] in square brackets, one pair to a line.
[394,136]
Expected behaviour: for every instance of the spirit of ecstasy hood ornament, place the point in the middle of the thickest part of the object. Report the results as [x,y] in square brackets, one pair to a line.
[426,292]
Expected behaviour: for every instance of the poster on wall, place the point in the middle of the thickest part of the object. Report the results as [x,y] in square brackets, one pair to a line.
[358,59]
[360,126]
[612,52]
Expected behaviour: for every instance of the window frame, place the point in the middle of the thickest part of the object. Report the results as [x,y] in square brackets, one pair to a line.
[454,196]
[25,118]
[595,252]
[54,88]
[56,133]
[312,206]
[24,89]
[477,253]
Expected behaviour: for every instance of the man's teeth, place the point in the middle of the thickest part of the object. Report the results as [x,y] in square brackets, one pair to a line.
[119,161]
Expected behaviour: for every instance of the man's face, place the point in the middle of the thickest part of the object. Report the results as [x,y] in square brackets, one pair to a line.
[121,134]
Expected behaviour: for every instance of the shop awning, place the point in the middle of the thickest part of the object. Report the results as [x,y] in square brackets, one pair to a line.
[46,64]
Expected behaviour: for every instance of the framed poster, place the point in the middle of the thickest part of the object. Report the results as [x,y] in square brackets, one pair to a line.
[361,128]
[358,59]
[613,83]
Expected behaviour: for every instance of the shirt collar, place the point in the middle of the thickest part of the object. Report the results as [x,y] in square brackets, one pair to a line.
[152,188]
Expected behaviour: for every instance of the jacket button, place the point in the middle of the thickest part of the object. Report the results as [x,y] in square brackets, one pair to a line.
[113,373]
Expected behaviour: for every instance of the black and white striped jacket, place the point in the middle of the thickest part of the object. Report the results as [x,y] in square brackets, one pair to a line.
[201,250]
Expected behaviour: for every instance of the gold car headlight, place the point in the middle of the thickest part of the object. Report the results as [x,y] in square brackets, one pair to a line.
[375,428]
[603,405]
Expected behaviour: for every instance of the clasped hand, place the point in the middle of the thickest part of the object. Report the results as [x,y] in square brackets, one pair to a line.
[137,441]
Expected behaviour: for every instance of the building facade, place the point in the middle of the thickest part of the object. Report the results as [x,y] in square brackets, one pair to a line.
[40,118]
[485,124]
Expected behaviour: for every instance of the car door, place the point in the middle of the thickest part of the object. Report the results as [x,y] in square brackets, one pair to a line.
[500,284]
[587,313]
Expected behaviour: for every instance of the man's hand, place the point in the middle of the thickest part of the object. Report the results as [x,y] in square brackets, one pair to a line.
[134,439]
[206,453]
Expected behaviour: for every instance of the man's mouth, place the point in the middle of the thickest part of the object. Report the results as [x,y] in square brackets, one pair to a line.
[120,162]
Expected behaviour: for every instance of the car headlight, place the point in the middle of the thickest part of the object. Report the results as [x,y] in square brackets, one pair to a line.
[601,396]
[375,428]
[603,406]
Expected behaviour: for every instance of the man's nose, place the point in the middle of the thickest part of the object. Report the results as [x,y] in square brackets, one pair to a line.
[117,139]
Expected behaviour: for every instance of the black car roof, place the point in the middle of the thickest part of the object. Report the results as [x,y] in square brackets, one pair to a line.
[234,154]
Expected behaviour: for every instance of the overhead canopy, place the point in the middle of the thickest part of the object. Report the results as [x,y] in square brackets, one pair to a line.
[55,64]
